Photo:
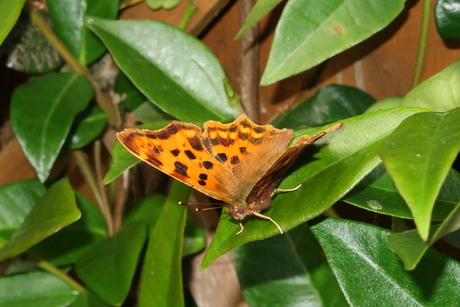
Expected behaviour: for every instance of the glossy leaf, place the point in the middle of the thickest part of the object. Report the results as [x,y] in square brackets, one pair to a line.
[88,299]
[447,18]
[161,281]
[16,201]
[418,157]
[122,159]
[148,113]
[260,9]
[131,96]
[70,28]
[9,14]
[28,49]
[88,125]
[42,112]
[271,274]
[312,256]
[330,103]
[336,163]
[55,210]
[410,247]
[172,69]
[149,209]
[38,289]
[386,103]
[377,193]
[439,93]
[66,246]
[108,267]
[379,271]
[310,32]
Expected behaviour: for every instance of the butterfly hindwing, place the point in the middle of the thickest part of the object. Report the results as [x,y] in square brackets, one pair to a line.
[178,151]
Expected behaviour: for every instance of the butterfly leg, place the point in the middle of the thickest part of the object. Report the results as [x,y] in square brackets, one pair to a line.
[241,229]
[288,190]
[270,219]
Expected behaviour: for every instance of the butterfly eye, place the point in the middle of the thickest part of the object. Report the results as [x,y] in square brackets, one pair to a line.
[240,209]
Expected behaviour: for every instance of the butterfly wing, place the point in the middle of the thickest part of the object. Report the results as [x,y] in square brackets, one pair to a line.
[260,196]
[247,149]
[178,151]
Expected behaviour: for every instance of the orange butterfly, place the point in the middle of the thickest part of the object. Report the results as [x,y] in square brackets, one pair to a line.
[240,163]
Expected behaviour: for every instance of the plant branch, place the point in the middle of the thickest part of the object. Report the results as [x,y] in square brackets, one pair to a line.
[422,42]
[249,72]
[102,100]
[103,206]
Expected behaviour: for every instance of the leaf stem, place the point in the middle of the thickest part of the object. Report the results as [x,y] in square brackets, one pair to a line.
[45,265]
[103,206]
[102,100]
[189,11]
[422,42]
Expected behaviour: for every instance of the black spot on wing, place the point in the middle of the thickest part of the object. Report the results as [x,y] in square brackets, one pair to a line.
[201,182]
[190,155]
[181,168]
[175,152]
[235,160]
[203,176]
[222,157]
[196,144]
[208,165]
[243,150]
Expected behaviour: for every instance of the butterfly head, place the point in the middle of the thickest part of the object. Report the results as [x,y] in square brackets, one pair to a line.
[238,212]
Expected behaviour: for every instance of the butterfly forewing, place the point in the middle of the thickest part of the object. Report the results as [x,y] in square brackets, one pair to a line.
[178,151]
[247,149]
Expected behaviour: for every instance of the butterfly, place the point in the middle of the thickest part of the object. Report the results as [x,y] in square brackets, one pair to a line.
[240,163]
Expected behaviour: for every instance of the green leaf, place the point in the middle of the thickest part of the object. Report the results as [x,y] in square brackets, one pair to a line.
[16,201]
[70,28]
[330,103]
[386,103]
[55,210]
[9,14]
[28,49]
[148,112]
[260,9]
[132,97]
[359,255]
[149,209]
[88,299]
[172,68]
[336,163]
[122,159]
[447,19]
[377,193]
[312,256]
[42,112]
[108,267]
[309,32]
[88,125]
[418,157]
[271,274]
[194,238]
[38,289]
[161,282]
[410,247]
[440,93]
[66,246]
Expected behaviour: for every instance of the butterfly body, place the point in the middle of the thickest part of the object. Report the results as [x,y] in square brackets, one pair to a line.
[239,163]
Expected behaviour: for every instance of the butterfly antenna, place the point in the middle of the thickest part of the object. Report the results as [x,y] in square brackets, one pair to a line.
[288,190]
[212,205]
[267,218]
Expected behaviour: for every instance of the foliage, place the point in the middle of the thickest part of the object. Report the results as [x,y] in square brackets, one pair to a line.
[393,157]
